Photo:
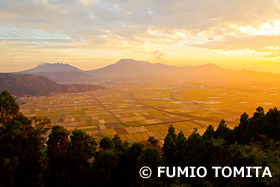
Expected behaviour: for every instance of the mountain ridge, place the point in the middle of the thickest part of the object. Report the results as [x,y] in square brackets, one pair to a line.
[133,69]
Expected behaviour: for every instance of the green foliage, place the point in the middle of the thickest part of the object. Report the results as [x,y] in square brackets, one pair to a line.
[118,143]
[250,129]
[209,133]
[106,143]
[57,142]
[82,144]
[153,142]
[22,151]
[104,169]
[150,156]
[8,105]
[57,154]
[170,146]
[224,132]
[194,151]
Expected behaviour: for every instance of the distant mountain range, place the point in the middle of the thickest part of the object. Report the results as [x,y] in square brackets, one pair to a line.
[132,69]
[26,84]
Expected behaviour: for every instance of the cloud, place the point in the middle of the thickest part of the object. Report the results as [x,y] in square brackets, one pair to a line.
[120,24]
[260,43]
[266,47]
[159,55]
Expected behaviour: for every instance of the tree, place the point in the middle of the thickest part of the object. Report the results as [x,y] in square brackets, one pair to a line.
[104,169]
[8,105]
[22,158]
[106,143]
[273,124]
[80,150]
[33,162]
[194,151]
[224,132]
[181,141]
[152,141]
[118,143]
[151,157]
[57,143]
[241,131]
[170,146]
[209,133]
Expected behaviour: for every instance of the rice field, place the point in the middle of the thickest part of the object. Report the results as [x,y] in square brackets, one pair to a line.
[137,112]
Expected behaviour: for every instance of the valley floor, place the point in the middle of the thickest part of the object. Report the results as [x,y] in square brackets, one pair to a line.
[137,111]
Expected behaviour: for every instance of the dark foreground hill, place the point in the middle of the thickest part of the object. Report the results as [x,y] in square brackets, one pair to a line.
[26,84]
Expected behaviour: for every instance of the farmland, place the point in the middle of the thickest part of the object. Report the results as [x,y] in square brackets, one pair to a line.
[137,111]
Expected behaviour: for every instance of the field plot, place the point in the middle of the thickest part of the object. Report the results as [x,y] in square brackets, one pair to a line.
[137,112]
[80,111]
[131,113]
[183,107]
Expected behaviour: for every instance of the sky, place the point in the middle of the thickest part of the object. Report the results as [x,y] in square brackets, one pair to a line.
[89,34]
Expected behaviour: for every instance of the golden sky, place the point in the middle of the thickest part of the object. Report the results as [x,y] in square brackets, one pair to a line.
[91,34]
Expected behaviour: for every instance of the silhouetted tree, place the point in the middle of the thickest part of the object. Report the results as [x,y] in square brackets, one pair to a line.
[80,150]
[104,169]
[209,133]
[118,144]
[22,158]
[58,172]
[170,146]
[151,157]
[8,105]
[224,132]
[106,143]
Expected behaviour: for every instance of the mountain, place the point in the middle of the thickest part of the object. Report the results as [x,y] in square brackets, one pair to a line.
[56,67]
[211,72]
[129,68]
[59,72]
[26,84]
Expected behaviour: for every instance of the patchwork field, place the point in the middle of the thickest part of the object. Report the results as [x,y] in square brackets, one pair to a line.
[137,112]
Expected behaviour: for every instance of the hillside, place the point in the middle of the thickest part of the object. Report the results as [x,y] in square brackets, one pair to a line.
[26,84]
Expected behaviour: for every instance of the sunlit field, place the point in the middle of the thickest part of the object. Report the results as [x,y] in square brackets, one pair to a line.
[135,112]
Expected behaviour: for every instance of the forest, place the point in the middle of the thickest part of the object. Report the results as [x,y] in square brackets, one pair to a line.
[35,153]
